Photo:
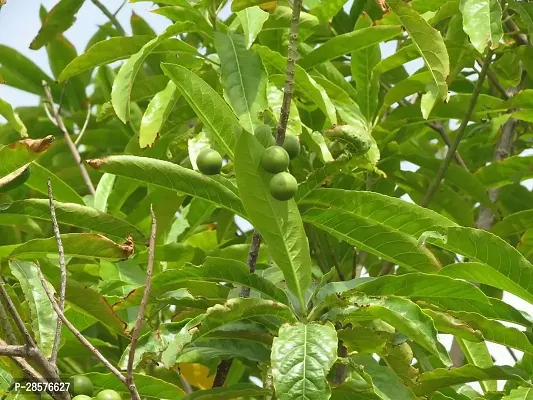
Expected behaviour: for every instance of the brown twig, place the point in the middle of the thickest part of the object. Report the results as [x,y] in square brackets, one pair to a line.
[68,140]
[222,373]
[142,309]
[63,273]
[16,316]
[112,17]
[432,190]
[6,324]
[15,350]
[26,367]
[252,260]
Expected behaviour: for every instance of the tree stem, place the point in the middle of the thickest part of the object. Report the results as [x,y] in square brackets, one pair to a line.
[252,260]
[112,17]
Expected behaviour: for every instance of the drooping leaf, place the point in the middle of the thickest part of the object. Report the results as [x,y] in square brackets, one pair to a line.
[171,176]
[482,21]
[44,318]
[278,222]
[18,154]
[103,191]
[15,179]
[73,215]
[12,118]
[57,21]
[302,356]
[252,20]
[218,119]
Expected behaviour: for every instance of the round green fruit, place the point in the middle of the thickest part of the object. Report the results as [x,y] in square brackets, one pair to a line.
[283,186]
[80,384]
[292,146]
[263,134]
[108,395]
[82,397]
[209,162]
[275,159]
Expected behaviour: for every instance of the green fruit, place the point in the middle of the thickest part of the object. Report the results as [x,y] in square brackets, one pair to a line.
[283,186]
[209,162]
[275,159]
[80,384]
[82,397]
[108,395]
[402,353]
[263,134]
[292,146]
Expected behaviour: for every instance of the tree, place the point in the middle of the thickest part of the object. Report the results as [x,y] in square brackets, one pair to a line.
[124,258]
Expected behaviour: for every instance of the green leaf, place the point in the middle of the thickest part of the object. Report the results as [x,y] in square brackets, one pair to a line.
[18,154]
[119,48]
[84,245]
[73,215]
[218,119]
[12,118]
[482,21]
[123,84]
[57,21]
[348,42]
[147,386]
[238,5]
[237,391]
[218,270]
[103,191]
[404,315]
[203,351]
[478,354]
[432,381]
[62,192]
[243,78]
[252,20]
[278,222]
[304,84]
[446,323]
[510,170]
[525,10]
[156,114]
[165,174]
[302,356]
[521,393]
[275,102]
[382,225]
[431,46]
[514,223]
[43,316]
[325,10]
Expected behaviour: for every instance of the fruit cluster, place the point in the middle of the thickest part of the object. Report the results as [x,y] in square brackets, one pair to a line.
[81,388]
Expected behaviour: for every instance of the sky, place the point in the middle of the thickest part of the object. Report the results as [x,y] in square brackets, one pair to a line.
[19,23]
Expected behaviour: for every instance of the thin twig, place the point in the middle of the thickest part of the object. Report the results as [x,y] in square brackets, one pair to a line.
[48,114]
[142,309]
[6,324]
[85,125]
[290,73]
[252,260]
[495,81]
[63,273]
[460,133]
[15,350]
[120,8]
[110,16]
[16,316]
[68,140]
[77,333]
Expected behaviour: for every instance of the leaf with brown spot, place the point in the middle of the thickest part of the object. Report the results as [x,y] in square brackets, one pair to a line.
[17,154]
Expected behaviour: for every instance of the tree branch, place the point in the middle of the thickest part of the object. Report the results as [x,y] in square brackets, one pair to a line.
[68,140]
[16,316]
[222,373]
[252,260]
[460,133]
[6,324]
[63,273]
[142,309]
[112,17]
[15,350]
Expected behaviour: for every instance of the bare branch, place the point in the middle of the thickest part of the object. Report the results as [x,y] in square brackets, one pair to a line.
[253,253]
[63,272]
[85,125]
[25,366]
[77,333]
[142,309]
[68,140]
[460,133]
[16,316]
[6,324]
[112,17]
[15,350]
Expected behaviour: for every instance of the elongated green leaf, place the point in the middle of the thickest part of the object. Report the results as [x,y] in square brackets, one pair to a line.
[362,65]
[304,83]
[57,21]
[525,10]
[74,215]
[482,21]
[12,118]
[409,285]
[478,354]
[521,393]
[43,316]
[382,225]
[243,77]
[103,191]
[119,48]
[431,46]
[212,110]
[302,356]
[84,245]
[252,20]
[171,176]
[278,222]
[156,114]
[429,382]
[401,313]
[219,270]
[447,323]
[238,5]
[123,84]
[18,154]
[348,42]
[275,102]
[203,351]
[498,264]
[325,10]
[514,223]
[62,192]
[511,170]
[240,390]
[147,386]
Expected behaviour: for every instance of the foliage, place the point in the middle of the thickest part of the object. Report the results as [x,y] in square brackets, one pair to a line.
[347,267]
